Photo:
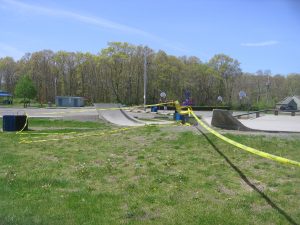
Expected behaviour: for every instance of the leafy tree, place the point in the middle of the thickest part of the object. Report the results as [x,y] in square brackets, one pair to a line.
[115,74]
[25,89]
[228,69]
[7,73]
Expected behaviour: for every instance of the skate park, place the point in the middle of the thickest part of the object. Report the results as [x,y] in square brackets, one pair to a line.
[140,112]
[267,122]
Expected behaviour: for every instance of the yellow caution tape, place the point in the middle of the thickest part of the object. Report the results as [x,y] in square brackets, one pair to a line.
[182,112]
[75,136]
[80,135]
[100,109]
[189,111]
[26,122]
[244,147]
[85,110]
[137,106]
[57,133]
[26,141]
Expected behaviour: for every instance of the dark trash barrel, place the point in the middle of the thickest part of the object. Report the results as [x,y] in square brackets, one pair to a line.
[14,122]
[154,109]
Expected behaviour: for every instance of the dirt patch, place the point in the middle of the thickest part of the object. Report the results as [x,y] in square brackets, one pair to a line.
[98,162]
[140,139]
[259,185]
[51,158]
[260,208]
[225,190]
[182,128]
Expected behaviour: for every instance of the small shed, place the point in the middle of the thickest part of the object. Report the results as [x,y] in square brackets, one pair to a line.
[69,101]
[287,104]
[6,97]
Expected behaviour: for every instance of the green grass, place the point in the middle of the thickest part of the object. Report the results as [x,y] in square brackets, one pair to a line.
[18,102]
[146,175]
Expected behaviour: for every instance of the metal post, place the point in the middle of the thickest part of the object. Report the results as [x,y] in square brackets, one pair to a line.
[55,87]
[145,78]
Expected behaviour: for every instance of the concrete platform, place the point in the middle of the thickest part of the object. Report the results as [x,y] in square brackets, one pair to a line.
[271,123]
[274,123]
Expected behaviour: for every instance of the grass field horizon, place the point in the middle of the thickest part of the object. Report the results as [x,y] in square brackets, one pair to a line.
[144,175]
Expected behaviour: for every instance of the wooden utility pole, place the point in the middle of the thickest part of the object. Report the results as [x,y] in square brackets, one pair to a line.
[145,78]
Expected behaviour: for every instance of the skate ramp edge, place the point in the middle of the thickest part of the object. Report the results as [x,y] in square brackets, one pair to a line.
[224,119]
[113,113]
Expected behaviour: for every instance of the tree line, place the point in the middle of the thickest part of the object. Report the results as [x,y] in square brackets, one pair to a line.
[116,75]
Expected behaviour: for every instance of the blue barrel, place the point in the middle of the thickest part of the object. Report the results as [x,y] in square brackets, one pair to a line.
[177,116]
[154,109]
[182,118]
[14,122]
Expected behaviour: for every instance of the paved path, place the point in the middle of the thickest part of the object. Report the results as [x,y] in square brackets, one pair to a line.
[49,112]
[81,114]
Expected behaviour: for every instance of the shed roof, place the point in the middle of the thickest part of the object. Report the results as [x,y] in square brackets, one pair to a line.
[285,101]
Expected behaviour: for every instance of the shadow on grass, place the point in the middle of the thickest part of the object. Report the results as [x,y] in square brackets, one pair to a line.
[248,182]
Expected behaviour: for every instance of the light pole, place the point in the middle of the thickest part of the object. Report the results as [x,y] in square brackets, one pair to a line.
[55,86]
[268,84]
[145,77]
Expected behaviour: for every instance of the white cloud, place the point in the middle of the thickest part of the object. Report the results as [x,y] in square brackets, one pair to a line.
[260,44]
[97,21]
[8,50]
[71,15]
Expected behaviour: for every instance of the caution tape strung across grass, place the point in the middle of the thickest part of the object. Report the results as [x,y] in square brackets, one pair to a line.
[79,135]
[189,111]
[26,141]
[85,110]
[103,109]
[244,147]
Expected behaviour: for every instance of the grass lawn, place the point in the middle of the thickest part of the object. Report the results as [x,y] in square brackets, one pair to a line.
[145,175]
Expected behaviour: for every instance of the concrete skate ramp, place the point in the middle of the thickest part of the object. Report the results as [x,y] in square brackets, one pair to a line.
[224,119]
[269,123]
[119,116]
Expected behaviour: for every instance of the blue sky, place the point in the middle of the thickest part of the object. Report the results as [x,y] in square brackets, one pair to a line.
[260,34]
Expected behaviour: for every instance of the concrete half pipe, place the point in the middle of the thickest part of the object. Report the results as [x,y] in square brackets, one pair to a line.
[113,113]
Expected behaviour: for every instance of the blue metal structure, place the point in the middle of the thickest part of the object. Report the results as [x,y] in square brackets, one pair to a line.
[69,101]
